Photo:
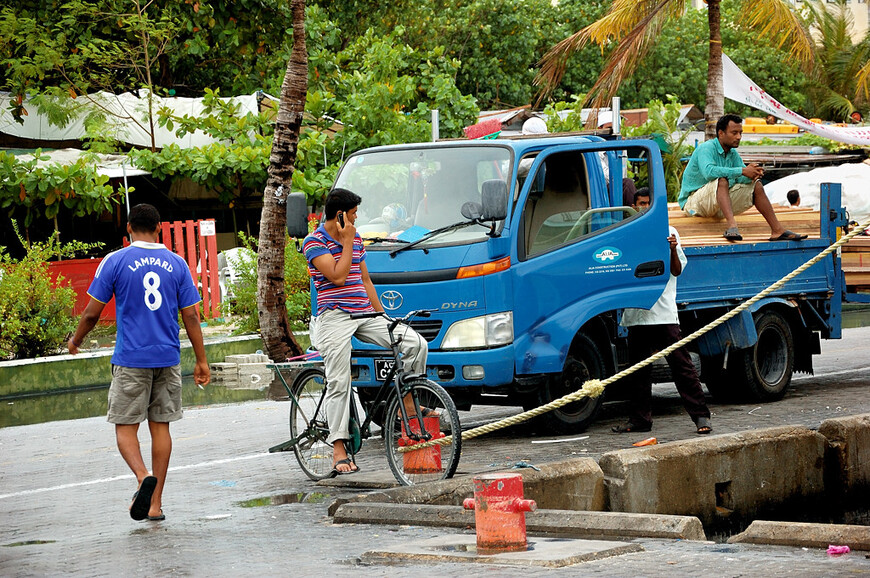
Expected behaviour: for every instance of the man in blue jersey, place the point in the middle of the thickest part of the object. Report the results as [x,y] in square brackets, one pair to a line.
[336,263]
[150,285]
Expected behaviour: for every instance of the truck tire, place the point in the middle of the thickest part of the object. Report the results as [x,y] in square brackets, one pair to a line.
[764,370]
[584,362]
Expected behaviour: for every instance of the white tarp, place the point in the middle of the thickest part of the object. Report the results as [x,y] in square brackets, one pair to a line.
[128,119]
[113,166]
[853,176]
[741,88]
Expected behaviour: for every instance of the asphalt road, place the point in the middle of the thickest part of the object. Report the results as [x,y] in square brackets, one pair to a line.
[234,509]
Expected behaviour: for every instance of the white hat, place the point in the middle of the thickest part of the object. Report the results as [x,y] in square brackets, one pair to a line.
[535,125]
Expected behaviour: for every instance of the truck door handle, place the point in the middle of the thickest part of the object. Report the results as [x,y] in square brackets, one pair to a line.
[650,269]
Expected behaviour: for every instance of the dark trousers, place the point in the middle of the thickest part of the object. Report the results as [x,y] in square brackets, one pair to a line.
[643,342]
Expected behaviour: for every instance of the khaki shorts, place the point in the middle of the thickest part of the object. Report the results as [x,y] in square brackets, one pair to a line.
[140,393]
[703,203]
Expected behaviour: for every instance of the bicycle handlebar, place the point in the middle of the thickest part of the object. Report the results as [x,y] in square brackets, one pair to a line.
[410,315]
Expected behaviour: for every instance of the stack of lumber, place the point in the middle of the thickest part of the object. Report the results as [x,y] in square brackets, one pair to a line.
[697,232]
[855,258]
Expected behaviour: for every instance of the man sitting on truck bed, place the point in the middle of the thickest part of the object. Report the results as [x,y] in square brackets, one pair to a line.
[336,263]
[717,184]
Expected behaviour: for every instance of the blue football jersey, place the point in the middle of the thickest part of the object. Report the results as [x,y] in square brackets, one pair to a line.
[150,284]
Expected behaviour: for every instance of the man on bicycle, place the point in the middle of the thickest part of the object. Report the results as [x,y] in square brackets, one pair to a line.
[336,263]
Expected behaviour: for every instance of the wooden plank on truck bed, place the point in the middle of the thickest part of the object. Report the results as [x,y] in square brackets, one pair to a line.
[701,231]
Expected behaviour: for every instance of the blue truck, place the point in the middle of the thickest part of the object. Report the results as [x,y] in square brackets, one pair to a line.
[530,253]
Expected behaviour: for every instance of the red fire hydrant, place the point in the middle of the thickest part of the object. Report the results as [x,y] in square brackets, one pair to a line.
[499,513]
[427,460]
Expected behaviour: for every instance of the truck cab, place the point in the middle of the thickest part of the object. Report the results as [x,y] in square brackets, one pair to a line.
[525,247]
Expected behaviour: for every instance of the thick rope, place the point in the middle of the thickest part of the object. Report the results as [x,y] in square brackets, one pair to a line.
[595,387]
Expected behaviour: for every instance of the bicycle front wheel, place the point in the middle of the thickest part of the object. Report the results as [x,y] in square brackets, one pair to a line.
[308,424]
[440,419]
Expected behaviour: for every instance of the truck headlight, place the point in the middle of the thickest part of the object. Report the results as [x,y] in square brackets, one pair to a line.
[477,332]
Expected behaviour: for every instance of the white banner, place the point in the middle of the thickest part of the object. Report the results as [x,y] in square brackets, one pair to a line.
[740,88]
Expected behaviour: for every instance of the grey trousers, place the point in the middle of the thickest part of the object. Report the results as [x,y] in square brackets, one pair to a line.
[331,332]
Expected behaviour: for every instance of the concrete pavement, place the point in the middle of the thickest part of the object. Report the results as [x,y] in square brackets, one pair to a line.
[232,508]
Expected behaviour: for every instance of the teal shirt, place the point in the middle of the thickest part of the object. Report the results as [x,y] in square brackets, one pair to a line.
[709,162]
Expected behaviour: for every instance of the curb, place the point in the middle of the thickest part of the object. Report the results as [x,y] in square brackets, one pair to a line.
[564,523]
[804,535]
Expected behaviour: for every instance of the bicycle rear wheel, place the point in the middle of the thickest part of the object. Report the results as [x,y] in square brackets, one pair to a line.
[435,462]
[308,424]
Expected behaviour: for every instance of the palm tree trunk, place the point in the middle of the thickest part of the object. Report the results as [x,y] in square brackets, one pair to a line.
[715,105]
[278,339]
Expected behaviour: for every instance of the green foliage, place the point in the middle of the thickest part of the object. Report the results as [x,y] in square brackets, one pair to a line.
[245,288]
[44,190]
[805,140]
[572,120]
[35,313]
[662,124]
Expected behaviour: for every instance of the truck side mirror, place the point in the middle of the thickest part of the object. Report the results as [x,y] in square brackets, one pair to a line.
[471,210]
[494,197]
[297,213]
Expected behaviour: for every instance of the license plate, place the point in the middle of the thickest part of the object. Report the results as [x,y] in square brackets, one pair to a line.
[383,367]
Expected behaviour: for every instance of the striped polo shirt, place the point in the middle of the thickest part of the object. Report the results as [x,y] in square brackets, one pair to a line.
[350,297]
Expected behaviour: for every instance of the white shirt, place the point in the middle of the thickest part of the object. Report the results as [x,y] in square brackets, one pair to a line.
[665,309]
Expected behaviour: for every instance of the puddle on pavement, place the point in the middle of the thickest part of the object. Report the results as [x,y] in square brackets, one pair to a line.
[282,499]
[93,402]
[30,543]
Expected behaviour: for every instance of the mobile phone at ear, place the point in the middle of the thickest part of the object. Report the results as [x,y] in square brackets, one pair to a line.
[341,219]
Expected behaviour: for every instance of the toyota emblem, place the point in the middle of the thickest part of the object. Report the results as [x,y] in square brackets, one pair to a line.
[391,300]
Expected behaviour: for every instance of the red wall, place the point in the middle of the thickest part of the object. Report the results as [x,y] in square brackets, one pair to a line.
[78,273]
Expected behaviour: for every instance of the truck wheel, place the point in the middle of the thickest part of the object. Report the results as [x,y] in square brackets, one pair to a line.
[584,362]
[765,369]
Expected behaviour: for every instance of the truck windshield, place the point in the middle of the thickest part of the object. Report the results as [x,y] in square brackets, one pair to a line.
[407,193]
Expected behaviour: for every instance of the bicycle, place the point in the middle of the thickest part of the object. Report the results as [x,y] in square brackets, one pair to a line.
[433,416]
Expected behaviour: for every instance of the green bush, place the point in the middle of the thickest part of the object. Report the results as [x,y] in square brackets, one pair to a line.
[36,314]
[244,306]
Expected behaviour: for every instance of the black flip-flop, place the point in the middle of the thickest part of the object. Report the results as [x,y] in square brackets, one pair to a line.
[733,234]
[158,518]
[347,461]
[789,236]
[142,498]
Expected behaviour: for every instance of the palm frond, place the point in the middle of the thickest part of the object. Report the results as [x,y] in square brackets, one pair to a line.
[862,79]
[776,19]
[621,21]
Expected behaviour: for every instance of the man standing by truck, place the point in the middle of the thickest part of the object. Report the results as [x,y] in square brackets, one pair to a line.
[650,331]
[717,184]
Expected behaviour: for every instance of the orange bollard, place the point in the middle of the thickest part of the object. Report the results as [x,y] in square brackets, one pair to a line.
[427,460]
[499,513]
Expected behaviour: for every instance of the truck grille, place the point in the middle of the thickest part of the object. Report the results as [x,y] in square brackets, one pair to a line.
[427,328]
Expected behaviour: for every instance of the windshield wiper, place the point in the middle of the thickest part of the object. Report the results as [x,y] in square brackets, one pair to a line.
[434,232]
[384,240]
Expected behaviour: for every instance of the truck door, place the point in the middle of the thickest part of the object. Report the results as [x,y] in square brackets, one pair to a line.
[579,252]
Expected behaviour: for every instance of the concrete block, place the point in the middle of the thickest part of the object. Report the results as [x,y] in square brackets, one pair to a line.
[576,484]
[847,468]
[801,535]
[254,376]
[738,474]
[248,358]
[542,552]
[568,523]
[221,372]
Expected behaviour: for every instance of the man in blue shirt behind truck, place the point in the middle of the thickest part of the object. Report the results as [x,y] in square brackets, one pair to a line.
[717,184]
[150,285]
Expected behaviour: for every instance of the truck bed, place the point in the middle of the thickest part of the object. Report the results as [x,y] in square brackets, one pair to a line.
[704,232]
